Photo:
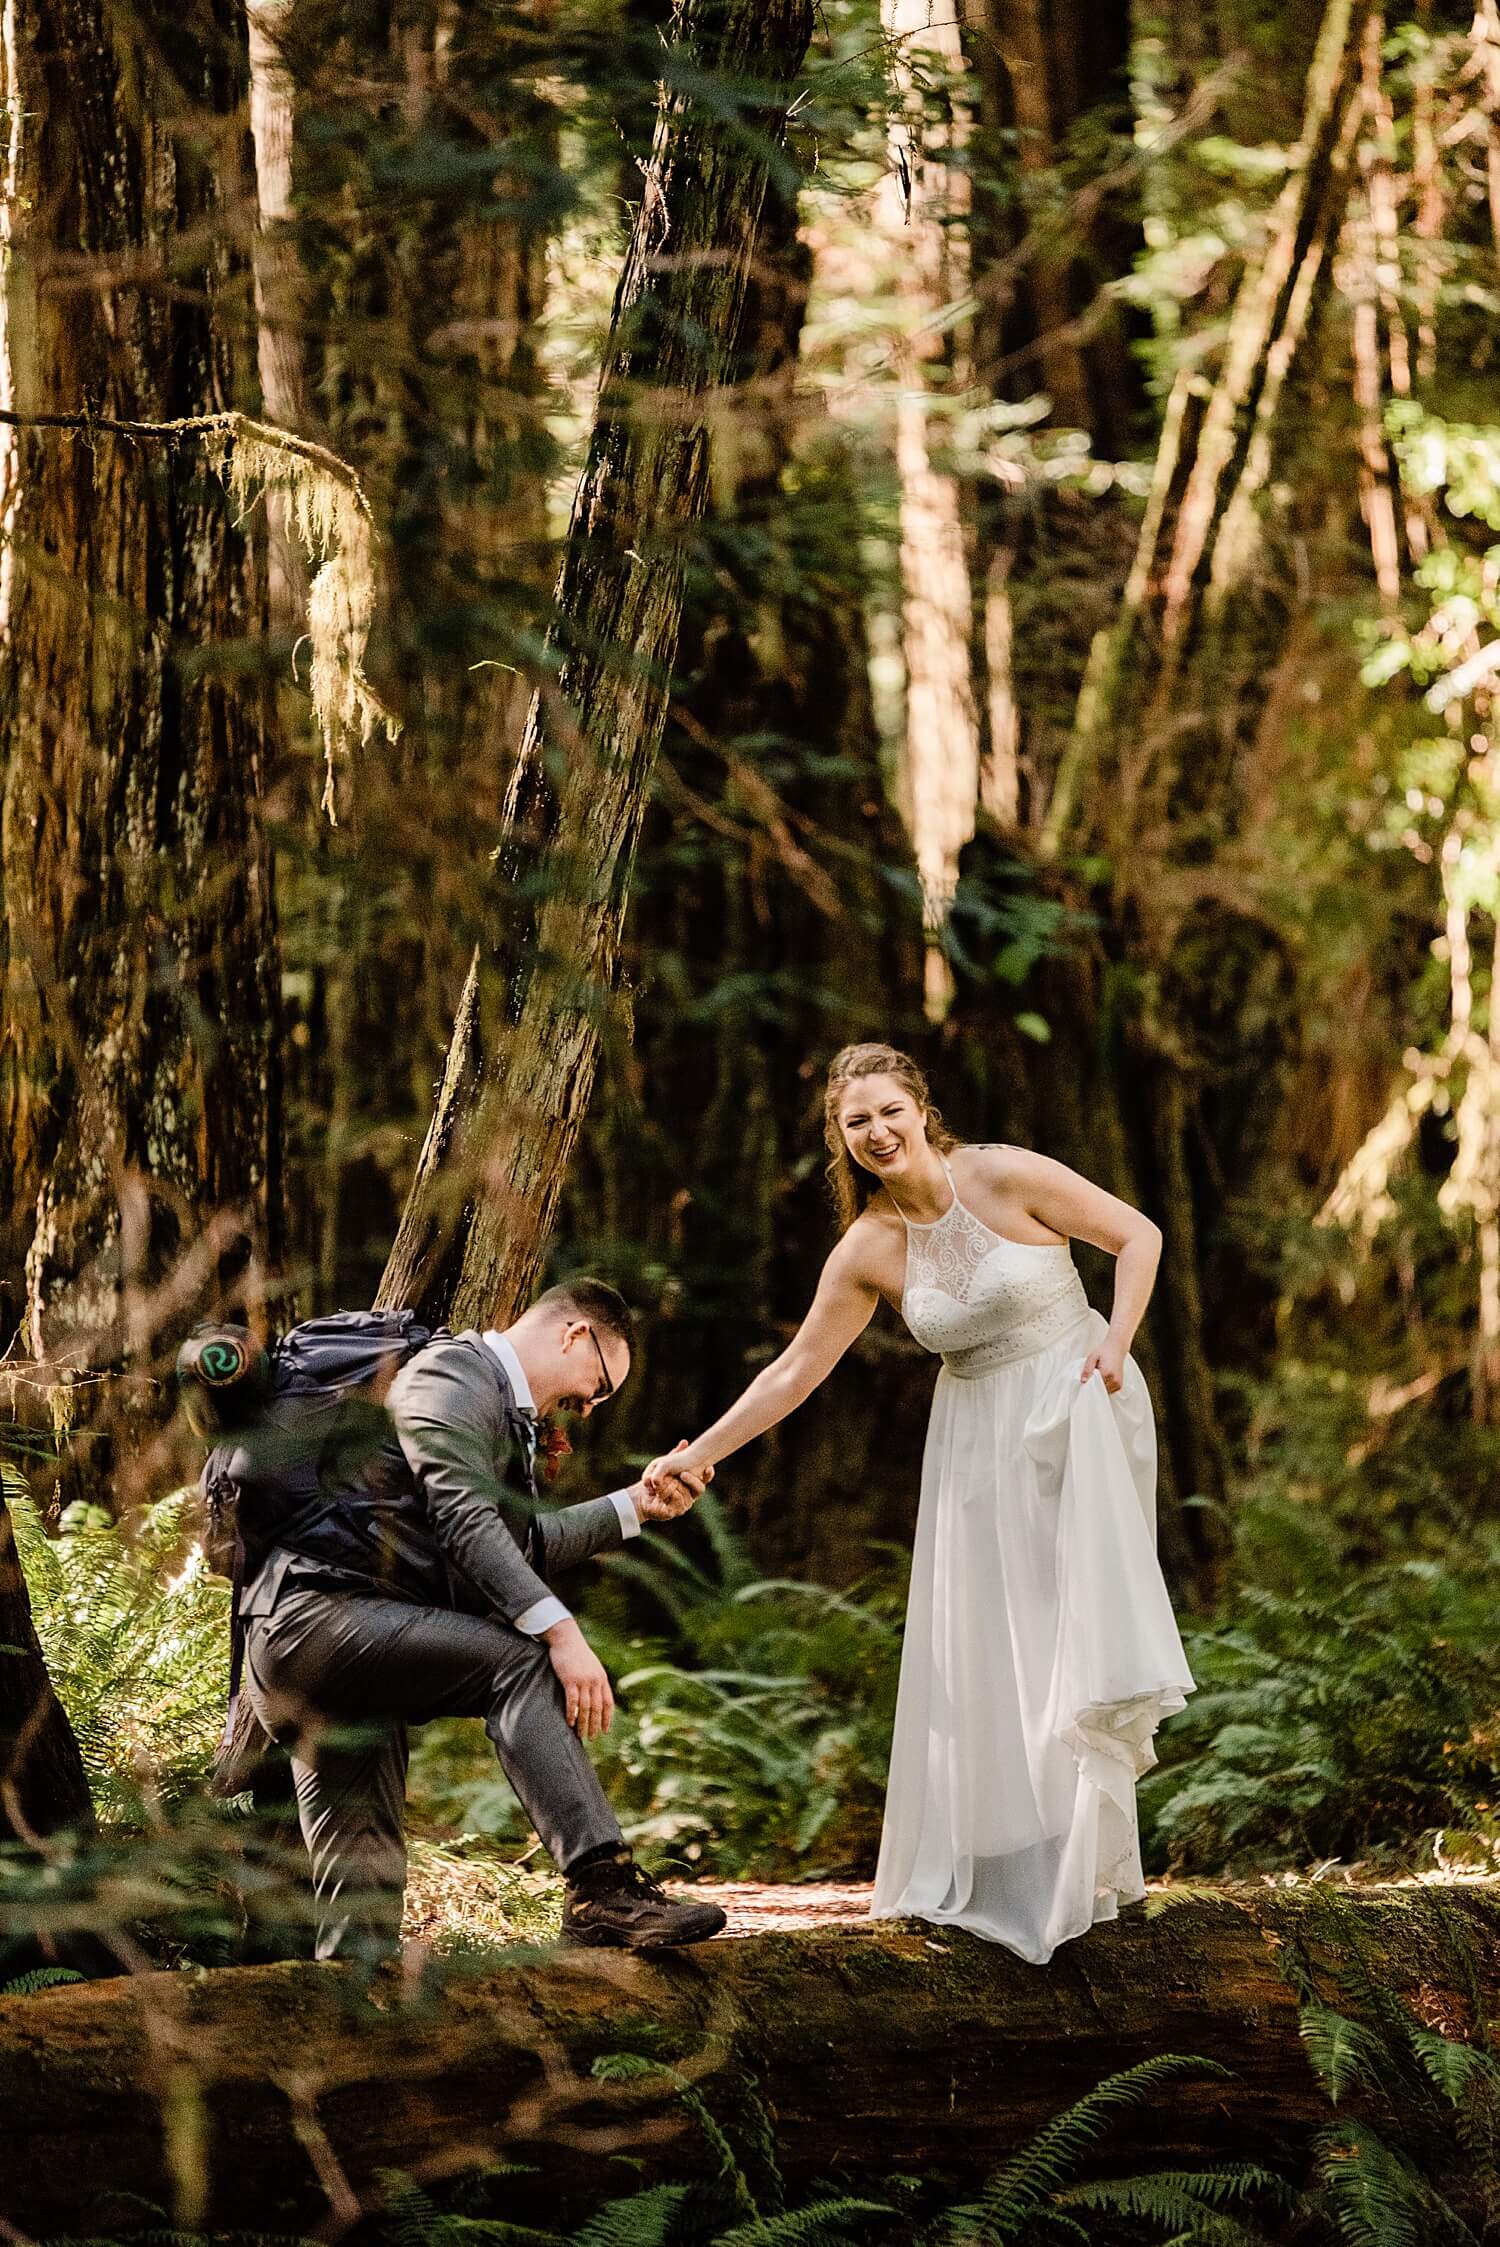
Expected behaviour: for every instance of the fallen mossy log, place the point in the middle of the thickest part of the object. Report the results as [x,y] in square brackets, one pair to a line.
[269,2097]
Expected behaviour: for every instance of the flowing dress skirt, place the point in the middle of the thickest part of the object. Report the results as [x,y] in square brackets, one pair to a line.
[1041,1653]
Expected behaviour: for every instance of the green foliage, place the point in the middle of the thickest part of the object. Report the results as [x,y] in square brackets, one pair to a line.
[136,1636]
[1345,1709]
[752,1726]
[1414,2156]
[1029,2198]
[40,1978]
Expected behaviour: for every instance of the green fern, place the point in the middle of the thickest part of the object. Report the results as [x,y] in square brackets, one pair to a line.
[823,2223]
[643,2219]
[635,2067]
[412,2218]
[1347,1712]
[1344,2053]
[1377,2195]
[136,1636]
[1188,2204]
[1421,2154]
[1043,2167]
[39,1978]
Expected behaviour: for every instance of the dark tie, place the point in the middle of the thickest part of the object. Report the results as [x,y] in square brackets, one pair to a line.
[529,1436]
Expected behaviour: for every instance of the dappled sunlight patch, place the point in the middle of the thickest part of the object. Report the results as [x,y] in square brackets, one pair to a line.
[460,1897]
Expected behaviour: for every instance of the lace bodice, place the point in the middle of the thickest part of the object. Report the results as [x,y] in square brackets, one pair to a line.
[981,1299]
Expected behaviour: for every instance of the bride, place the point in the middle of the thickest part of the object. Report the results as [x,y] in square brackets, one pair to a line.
[1040,1651]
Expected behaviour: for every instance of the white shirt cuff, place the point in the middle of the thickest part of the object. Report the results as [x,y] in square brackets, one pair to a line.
[541,1615]
[624,1505]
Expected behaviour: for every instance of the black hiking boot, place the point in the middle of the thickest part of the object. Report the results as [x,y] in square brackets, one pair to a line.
[611,1902]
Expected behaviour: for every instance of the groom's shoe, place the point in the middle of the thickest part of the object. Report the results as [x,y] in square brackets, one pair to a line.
[611,1901]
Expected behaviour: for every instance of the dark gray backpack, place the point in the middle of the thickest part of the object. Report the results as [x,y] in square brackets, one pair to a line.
[296,1424]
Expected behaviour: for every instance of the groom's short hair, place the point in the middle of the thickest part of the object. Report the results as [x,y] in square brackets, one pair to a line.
[594,1300]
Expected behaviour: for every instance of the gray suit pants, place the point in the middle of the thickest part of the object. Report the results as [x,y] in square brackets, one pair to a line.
[338,1677]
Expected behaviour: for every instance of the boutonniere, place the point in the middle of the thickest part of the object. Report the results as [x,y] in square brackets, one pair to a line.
[552,1449]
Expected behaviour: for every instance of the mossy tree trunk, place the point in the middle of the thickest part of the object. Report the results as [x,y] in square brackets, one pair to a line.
[771,847]
[521,1063]
[138,1081]
[272,2098]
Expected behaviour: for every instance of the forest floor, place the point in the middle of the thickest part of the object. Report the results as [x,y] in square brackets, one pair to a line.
[461,1897]
[458,1897]
[775,1907]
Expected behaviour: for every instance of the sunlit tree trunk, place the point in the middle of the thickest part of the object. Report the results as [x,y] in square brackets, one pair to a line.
[280,289]
[521,1064]
[138,1085]
[921,208]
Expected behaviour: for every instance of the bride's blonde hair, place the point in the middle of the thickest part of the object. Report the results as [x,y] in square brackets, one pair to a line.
[852,1187]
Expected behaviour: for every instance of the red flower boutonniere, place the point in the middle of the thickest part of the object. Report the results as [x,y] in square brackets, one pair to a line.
[552,1449]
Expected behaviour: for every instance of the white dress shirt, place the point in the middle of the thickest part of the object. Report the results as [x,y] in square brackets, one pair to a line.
[543,1613]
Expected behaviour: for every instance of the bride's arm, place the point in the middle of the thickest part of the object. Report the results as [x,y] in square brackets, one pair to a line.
[841,1310]
[1073,1205]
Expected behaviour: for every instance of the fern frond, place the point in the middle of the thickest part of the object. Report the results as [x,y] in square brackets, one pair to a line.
[412,2218]
[644,2219]
[1342,2051]
[1459,2071]
[1042,2165]
[1189,2204]
[635,2067]
[1218,2187]
[1378,2197]
[40,1978]
[823,2223]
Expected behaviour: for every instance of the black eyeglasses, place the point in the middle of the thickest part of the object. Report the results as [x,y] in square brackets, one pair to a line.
[600,1396]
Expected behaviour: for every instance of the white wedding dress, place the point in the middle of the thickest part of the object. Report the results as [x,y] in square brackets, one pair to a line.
[1041,1651]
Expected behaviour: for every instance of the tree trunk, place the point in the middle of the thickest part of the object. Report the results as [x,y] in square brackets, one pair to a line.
[482,1204]
[1199,524]
[922,209]
[1046,252]
[270,2097]
[139,1090]
[793,932]
[43,1790]
[280,286]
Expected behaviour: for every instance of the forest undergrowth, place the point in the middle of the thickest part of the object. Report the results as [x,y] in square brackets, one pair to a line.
[1345,1727]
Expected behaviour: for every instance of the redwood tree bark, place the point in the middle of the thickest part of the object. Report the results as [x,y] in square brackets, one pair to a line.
[522,1060]
[138,1090]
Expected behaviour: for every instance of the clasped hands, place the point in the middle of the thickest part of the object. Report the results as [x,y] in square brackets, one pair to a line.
[666,1489]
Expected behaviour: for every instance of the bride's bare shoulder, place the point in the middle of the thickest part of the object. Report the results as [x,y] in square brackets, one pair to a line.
[993,1163]
[871,1245]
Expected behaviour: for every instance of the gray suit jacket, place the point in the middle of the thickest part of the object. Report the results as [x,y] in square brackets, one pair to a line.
[448,1514]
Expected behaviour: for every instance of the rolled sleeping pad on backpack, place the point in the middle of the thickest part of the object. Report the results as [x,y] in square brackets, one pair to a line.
[223,1376]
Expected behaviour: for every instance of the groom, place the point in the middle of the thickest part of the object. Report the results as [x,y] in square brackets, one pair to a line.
[436,1600]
